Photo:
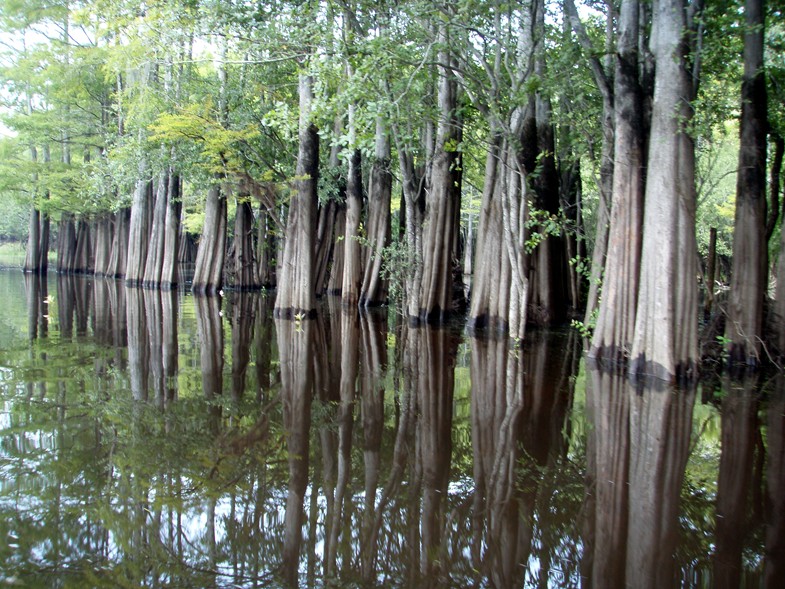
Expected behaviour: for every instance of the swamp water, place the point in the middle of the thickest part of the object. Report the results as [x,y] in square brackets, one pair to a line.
[153,439]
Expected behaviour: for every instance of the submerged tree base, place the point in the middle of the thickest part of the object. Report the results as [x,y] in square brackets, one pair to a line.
[642,370]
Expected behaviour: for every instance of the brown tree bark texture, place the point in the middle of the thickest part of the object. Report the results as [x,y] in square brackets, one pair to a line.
[153,266]
[208,273]
[444,198]
[139,231]
[296,289]
[374,287]
[744,327]
[613,334]
[352,264]
[665,344]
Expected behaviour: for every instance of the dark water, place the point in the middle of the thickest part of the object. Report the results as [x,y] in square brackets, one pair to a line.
[156,440]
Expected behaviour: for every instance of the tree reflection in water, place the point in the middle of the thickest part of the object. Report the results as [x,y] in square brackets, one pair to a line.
[296,356]
[738,477]
[638,449]
[775,488]
[346,450]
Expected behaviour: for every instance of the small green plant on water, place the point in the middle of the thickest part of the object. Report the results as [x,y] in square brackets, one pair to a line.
[586,328]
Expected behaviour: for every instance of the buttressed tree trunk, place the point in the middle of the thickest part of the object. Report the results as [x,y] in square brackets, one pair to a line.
[83,256]
[104,235]
[66,243]
[744,327]
[139,232]
[155,245]
[500,285]
[119,256]
[208,274]
[413,210]
[36,261]
[603,77]
[352,266]
[296,295]
[174,206]
[328,264]
[209,270]
[665,343]
[266,247]
[441,228]
[244,267]
[161,264]
[613,333]
[374,288]
[352,263]
[37,253]
[500,288]
[548,292]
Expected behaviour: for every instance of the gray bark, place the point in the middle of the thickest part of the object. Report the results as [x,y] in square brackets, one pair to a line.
[296,289]
[665,344]
[208,274]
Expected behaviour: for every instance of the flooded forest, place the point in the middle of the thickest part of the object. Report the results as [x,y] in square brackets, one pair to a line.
[160,439]
[338,293]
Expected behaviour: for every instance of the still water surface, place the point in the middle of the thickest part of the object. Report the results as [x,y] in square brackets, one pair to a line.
[152,439]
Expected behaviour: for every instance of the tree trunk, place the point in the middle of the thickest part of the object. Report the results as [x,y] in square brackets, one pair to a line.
[118,260]
[335,282]
[711,273]
[37,253]
[139,232]
[208,274]
[156,243]
[325,243]
[66,244]
[174,206]
[296,289]
[665,343]
[351,282]
[36,259]
[188,248]
[603,79]
[266,248]
[83,262]
[352,264]
[414,211]
[744,327]
[104,236]
[374,287]
[500,285]
[244,269]
[613,333]
[441,229]
[548,293]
